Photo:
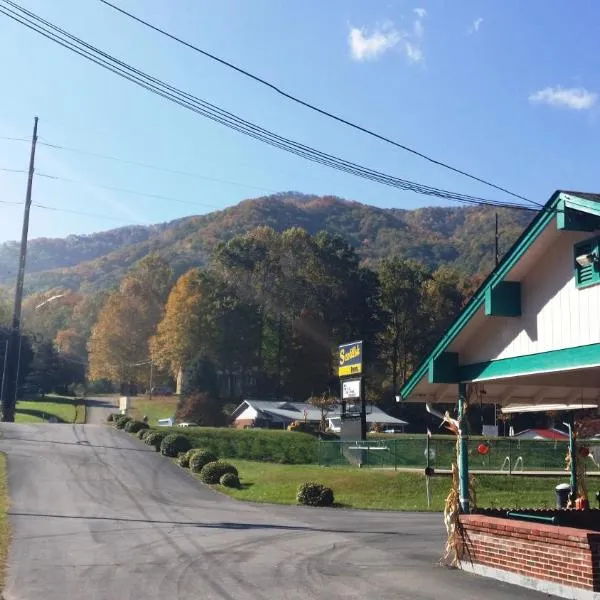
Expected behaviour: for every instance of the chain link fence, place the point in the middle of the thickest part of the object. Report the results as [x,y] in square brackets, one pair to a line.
[507,455]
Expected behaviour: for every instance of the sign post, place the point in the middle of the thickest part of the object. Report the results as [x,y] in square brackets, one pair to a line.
[350,369]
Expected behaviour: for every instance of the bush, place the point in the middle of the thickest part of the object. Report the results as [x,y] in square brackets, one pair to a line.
[184,459]
[135,426]
[113,417]
[213,471]
[230,480]
[173,444]
[122,421]
[142,433]
[277,446]
[199,458]
[201,408]
[314,494]
[155,439]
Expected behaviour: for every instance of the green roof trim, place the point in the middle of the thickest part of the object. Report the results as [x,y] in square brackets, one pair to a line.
[519,248]
[503,300]
[579,357]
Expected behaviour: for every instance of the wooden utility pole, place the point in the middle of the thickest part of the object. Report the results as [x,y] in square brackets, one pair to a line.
[10,380]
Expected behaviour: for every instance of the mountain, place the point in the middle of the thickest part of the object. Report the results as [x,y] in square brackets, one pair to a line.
[459,236]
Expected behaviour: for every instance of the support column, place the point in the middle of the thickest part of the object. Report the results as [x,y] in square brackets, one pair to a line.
[463,449]
[573,453]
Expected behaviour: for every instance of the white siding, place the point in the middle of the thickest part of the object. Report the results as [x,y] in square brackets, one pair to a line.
[249,414]
[555,313]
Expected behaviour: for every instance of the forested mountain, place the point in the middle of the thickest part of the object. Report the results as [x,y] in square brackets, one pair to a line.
[459,236]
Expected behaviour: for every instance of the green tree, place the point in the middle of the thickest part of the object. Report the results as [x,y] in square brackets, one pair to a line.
[402,288]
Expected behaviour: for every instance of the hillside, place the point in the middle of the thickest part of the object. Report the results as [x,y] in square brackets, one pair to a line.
[460,236]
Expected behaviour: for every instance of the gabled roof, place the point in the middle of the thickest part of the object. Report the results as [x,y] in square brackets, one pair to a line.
[557,205]
[298,411]
[547,434]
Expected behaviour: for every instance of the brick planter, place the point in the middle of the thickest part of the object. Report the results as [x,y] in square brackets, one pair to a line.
[564,561]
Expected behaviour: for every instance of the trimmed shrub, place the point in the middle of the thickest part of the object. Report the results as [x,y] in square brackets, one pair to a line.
[312,493]
[230,480]
[184,459]
[173,444]
[113,417]
[135,426]
[213,471]
[122,421]
[277,446]
[199,458]
[155,439]
[142,433]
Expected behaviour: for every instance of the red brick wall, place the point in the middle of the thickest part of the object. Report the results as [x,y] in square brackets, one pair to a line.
[563,555]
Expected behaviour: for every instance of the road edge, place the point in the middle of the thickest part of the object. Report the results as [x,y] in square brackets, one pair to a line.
[5,529]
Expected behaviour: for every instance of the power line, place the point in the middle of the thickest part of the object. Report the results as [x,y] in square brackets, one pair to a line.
[213,112]
[310,106]
[126,191]
[153,167]
[79,212]
[8,170]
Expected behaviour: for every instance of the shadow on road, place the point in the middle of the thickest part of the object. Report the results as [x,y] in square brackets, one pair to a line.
[100,404]
[83,443]
[219,525]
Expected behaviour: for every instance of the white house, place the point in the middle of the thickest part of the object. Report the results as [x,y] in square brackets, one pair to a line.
[530,336]
[278,415]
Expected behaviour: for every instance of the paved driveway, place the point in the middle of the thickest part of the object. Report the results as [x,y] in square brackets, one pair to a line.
[98,516]
[97,409]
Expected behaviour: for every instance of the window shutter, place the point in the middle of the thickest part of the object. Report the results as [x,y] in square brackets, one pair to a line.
[589,274]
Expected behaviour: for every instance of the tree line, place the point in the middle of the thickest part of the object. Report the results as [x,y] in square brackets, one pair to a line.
[264,318]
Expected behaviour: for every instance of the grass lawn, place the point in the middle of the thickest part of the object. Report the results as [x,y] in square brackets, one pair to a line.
[390,490]
[4,524]
[160,407]
[64,409]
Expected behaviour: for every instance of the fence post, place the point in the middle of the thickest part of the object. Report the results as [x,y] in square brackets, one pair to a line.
[509,456]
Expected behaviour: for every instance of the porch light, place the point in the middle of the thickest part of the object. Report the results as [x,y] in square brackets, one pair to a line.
[585,260]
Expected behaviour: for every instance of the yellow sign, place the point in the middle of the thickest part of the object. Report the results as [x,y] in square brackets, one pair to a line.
[350,359]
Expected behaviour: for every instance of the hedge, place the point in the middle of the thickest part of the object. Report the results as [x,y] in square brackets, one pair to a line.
[277,446]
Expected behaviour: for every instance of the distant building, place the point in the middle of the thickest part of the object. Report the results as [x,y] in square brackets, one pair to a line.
[278,415]
[542,434]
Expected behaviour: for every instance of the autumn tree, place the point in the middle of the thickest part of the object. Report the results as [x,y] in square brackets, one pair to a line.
[120,338]
[182,332]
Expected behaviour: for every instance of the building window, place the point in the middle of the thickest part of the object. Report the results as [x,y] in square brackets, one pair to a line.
[588,273]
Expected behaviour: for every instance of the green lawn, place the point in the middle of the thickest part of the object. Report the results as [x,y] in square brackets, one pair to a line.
[64,409]
[160,407]
[4,524]
[390,490]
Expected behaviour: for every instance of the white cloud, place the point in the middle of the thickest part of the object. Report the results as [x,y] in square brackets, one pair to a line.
[559,97]
[475,25]
[365,45]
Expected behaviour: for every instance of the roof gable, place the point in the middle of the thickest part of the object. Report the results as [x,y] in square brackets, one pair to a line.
[557,205]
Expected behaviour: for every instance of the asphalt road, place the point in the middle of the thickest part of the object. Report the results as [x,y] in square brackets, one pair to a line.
[98,516]
[98,409]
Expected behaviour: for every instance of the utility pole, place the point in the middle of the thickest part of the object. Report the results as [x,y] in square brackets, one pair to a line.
[496,241]
[14,341]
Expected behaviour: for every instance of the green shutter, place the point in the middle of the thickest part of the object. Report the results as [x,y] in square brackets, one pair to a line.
[589,275]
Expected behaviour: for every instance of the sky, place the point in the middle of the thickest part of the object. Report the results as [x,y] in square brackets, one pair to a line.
[508,91]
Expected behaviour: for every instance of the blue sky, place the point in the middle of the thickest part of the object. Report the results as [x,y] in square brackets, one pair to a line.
[507,90]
